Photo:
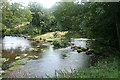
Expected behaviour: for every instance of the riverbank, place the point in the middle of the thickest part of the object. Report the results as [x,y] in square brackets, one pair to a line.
[101,67]
[104,68]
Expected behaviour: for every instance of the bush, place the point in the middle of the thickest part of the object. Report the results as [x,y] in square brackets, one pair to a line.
[60,43]
[57,43]
[56,35]
[64,43]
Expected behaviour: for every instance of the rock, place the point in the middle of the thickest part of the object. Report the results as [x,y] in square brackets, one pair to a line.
[18,57]
[30,56]
[33,57]
[44,40]
[40,38]
[69,44]
[79,47]
[38,46]
[28,36]
[72,44]
[79,50]
[19,62]
[32,49]
[37,41]
[64,55]
[84,48]
[15,67]
[36,57]
[90,51]
[2,72]
[3,60]
[75,48]
[72,47]
[24,55]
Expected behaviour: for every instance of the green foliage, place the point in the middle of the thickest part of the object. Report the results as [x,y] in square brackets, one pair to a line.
[42,18]
[56,35]
[57,43]
[92,20]
[65,42]
[26,30]
[18,61]
[60,43]
[14,13]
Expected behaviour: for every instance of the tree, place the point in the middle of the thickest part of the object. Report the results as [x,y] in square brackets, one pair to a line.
[42,18]
[96,20]
[6,13]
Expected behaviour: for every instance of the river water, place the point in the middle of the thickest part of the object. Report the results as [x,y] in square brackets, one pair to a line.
[49,59]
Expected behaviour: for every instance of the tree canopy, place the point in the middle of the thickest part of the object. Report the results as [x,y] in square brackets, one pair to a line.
[96,20]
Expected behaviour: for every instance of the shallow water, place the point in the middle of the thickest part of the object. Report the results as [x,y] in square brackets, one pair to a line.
[10,42]
[49,60]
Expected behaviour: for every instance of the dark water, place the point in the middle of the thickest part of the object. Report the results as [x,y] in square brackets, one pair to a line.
[49,60]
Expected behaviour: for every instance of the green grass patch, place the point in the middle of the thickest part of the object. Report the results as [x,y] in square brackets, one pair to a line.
[51,35]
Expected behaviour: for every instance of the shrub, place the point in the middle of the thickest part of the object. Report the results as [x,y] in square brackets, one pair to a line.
[56,35]
[57,43]
[60,43]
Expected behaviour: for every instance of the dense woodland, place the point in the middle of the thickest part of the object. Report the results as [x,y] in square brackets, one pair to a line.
[93,20]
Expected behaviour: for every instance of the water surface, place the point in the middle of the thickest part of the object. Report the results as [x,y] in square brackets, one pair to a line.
[49,60]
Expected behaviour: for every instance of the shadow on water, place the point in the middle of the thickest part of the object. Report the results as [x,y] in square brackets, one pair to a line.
[49,60]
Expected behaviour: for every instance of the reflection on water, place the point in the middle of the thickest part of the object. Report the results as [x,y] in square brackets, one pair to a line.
[50,61]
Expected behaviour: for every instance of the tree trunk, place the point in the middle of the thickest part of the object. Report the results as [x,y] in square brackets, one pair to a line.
[118,27]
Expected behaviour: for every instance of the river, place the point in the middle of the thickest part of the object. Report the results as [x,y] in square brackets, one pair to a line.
[49,59]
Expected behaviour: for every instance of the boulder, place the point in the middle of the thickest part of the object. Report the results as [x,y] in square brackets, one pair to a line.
[79,50]
[79,47]
[18,57]
[90,51]
[84,48]
[32,49]
[75,48]
[24,55]
[38,46]
[33,57]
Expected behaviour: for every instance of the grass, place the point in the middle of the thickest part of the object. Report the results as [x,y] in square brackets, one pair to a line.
[105,68]
[49,35]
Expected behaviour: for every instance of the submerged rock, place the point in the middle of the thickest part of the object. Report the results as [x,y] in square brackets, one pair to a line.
[64,55]
[19,62]
[15,67]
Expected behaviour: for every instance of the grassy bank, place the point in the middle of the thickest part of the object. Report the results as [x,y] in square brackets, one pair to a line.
[51,35]
[104,68]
